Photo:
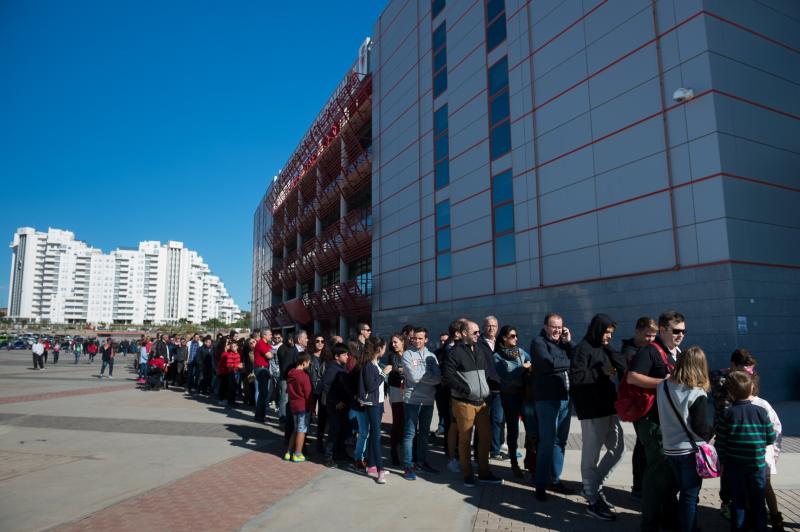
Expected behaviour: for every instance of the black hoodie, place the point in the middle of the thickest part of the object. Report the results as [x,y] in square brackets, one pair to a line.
[593,392]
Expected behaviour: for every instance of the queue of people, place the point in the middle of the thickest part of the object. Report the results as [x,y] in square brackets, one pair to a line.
[689,424]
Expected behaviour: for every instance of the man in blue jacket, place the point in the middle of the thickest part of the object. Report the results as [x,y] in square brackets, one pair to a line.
[551,352]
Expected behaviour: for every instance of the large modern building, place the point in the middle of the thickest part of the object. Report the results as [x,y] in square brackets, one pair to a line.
[57,279]
[587,156]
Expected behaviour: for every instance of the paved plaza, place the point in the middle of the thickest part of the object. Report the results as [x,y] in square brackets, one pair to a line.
[80,453]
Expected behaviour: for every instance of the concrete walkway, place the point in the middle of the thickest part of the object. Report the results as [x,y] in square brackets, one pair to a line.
[81,453]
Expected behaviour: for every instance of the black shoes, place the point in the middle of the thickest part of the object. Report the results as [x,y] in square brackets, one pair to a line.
[600,510]
[541,494]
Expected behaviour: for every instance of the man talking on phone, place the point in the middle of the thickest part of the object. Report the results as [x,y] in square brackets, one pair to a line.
[551,352]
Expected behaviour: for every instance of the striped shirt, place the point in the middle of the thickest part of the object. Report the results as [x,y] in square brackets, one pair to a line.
[743,433]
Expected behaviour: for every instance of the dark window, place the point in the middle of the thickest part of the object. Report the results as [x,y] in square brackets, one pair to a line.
[330,278]
[496,33]
[494,8]
[440,59]
[440,147]
[439,45]
[504,218]
[443,240]
[440,83]
[443,266]
[502,188]
[436,7]
[443,213]
[504,250]
[361,272]
[439,36]
[307,287]
[498,76]
[440,120]
[499,124]
[441,174]
[501,140]
[442,222]
[499,108]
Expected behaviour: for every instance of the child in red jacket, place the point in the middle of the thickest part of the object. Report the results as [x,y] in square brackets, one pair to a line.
[229,364]
[298,387]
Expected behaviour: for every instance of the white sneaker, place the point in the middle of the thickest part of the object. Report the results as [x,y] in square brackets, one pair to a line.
[453,466]
[110,376]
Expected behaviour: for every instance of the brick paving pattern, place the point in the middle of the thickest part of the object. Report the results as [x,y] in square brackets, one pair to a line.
[512,507]
[210,500]
[58,395]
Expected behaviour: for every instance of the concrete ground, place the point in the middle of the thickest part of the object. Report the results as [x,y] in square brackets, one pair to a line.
[81,453]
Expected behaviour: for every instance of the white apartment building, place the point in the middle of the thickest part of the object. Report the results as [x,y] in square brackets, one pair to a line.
[58,279]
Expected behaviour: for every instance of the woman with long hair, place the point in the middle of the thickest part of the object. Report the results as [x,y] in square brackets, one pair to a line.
[394,358]
[358,413]
[370,395]
[686,391]
[320,355]
[511,363]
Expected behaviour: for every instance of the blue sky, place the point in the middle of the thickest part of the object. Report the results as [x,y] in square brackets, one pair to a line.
[139,120]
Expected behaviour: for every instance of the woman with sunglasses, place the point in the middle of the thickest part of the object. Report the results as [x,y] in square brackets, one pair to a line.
[511,362]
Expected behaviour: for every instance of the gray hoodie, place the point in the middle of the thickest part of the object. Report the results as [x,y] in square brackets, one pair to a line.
[422,374]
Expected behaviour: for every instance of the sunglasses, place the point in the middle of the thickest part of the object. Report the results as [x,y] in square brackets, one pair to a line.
[319,341]
[366,330]
[679,331]
[512,335]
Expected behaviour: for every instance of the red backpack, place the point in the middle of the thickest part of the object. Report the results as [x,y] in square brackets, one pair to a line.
[634,402]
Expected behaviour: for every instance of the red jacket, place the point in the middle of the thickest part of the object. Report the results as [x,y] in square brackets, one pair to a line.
[259,357]
[229,363]
[298,386]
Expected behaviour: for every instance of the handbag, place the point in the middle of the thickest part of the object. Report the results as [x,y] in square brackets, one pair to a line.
[634,402]
[705,455]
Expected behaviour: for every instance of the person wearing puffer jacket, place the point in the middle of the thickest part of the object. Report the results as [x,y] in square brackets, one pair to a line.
[511,363]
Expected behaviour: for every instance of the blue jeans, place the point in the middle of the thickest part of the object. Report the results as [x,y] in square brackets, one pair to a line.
[422,415]
[142,369]
[374,415]
[283,398]
[363,431]
[747,487]
[689,483]
[263,392]
[107,363]
[497,420]
[554,417]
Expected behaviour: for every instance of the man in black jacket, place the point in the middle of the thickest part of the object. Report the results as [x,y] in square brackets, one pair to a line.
[465,375]
[496,417]
[593,393]
[551,352]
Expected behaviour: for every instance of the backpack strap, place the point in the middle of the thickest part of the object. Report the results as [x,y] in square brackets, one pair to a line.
[664,357]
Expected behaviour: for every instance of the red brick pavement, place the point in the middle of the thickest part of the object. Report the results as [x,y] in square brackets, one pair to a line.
[210,500]
[58,395]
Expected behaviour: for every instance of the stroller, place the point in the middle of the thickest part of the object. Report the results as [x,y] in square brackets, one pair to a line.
[156,370]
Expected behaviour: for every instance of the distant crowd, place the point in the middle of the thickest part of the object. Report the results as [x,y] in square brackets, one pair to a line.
[690,424]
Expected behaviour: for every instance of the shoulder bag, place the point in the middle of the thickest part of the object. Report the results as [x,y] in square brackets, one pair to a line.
[705,455]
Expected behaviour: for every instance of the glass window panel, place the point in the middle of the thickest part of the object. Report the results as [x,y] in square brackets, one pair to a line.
[440,59]
[499,108]
[493,8]
[439,83]
[504,218]
[502,187]
[441,174]
[496,33]
[439,36]
[498,76]
[436,7]
[504,250]
[443,265]
[501,140]
[443,240]
[443,213]
[440,147]
[440,120]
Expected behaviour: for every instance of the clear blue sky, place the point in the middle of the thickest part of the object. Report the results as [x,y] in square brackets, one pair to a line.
[140,120]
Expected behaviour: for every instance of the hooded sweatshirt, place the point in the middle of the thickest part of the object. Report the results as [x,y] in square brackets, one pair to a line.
[593,392]
[422,374]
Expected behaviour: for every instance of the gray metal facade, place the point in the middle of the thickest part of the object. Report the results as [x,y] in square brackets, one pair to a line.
[624,200]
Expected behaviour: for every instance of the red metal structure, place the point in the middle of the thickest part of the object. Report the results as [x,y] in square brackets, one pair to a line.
[332,161]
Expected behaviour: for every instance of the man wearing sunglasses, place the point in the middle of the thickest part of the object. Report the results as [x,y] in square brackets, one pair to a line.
[651,365]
